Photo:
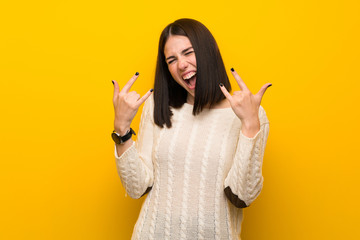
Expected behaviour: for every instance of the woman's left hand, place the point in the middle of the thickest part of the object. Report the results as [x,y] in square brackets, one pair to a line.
[246,105]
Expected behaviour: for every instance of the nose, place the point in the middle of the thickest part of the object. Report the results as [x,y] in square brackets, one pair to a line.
[183,64]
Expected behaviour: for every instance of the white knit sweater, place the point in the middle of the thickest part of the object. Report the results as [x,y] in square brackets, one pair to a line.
[188,167]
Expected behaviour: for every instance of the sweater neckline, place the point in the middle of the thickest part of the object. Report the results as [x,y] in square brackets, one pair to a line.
[190,106]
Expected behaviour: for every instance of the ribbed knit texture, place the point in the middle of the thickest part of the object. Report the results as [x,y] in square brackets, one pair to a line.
[188,167]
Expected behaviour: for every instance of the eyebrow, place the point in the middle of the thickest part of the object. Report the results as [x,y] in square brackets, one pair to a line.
[182,52]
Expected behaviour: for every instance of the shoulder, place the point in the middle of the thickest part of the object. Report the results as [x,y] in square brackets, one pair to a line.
[148,108]
[262,116]
[149,103]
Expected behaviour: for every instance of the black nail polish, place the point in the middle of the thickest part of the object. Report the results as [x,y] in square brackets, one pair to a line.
[151,90]
[112,82]
[270,85]
[221,85]
[137,73]
[232,69]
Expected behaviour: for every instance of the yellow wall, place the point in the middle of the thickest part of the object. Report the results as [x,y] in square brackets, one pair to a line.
[57,58]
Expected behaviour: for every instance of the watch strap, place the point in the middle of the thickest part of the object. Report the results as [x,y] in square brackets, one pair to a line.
[128,135]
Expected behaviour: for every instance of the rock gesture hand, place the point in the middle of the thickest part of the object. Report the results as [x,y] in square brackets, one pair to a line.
[246,105]
[126,105]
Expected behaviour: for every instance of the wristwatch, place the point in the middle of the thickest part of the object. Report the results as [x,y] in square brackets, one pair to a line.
[122,139]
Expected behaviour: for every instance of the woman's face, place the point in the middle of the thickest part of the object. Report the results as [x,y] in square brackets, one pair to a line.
[181,61]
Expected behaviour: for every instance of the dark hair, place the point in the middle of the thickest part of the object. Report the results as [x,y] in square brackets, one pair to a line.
[209,74]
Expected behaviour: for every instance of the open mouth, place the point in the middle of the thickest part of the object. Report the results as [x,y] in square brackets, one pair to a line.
[190,79]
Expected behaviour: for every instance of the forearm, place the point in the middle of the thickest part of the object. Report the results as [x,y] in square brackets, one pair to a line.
[244,181]
[135,175]
[133,159]
[121,148]
[250,128]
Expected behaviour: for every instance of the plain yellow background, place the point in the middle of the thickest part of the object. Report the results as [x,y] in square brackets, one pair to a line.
[57,59]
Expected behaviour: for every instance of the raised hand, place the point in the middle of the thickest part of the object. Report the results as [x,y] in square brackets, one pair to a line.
[246,105]
[126,105]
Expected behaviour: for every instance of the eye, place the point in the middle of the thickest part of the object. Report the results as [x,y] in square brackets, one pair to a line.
[170,62]
[187,53]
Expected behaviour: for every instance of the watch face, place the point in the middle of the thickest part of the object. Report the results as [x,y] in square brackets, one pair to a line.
[116,138]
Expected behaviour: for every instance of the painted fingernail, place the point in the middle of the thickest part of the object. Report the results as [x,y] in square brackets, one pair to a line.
[151,90]
[112,82]
[232,69]
[270,85]
[137,73]
[221,85]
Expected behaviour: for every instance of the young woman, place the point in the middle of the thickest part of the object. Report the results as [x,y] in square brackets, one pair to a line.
[200,149]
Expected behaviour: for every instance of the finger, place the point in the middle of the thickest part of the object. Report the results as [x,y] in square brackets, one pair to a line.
[128,85]
[225,92]
[116,87]
[239,80]
[132,97]
[143,99]
[262,90]
[131,94]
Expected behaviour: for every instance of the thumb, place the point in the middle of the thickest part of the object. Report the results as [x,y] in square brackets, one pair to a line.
[116,87]
[225,92]
[262,90]
[143,99]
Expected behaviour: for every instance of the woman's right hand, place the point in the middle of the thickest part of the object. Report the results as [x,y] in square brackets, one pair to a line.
[126,105]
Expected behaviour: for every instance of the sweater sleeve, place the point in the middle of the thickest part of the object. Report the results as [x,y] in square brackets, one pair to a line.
[135,166]
[244,180]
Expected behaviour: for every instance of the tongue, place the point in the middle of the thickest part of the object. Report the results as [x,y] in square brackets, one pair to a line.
[192,82]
